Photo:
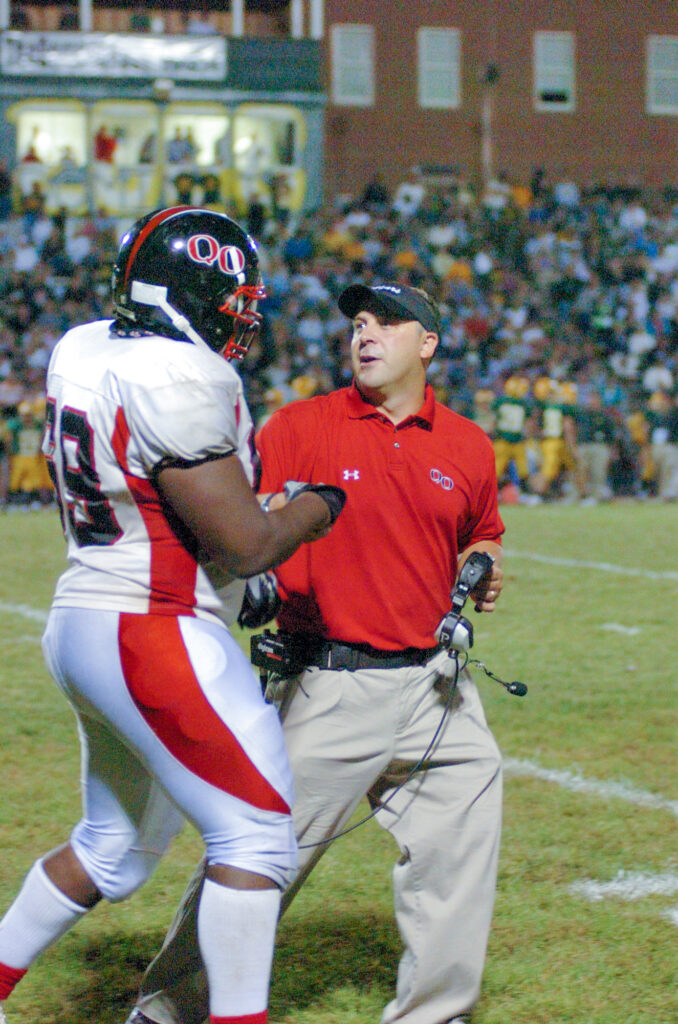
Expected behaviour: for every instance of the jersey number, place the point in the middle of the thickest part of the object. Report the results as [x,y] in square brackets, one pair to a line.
[81,500]
[510,418]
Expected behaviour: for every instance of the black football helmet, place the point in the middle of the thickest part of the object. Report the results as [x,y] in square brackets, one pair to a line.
[190,274]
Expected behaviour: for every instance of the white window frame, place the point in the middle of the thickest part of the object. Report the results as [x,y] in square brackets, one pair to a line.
[431,70]
[655,75]
[352,48]
[549,75]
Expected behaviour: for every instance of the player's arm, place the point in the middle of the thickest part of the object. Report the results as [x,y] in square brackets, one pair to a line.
[488,590]
[215,500]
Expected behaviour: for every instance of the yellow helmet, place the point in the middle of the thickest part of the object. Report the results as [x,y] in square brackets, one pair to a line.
[274,396]
[567,392]
[304,386]
[483,396]
[659,401]
[517,387]
[544,387]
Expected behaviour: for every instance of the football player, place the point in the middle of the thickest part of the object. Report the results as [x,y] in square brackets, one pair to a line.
[555,402]
[148,437]
[28,477]
[512,410]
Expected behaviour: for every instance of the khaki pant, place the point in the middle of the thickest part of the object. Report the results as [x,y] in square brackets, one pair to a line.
[593,463]
[354,733]
[665,458]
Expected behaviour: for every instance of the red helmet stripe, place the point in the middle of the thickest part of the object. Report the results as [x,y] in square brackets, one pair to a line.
[145,232]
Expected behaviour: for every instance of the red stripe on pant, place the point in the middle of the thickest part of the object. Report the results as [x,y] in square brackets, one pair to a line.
[10,977]
[163,685]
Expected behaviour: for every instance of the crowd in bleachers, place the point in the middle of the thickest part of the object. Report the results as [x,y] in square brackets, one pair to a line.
[540,281]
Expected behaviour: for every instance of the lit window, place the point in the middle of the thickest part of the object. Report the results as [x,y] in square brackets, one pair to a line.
[554,71]
[352,65]
[439,53]
[662,75]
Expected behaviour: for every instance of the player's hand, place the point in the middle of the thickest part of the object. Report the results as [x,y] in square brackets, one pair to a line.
[332,498]
[274,501]
[488,590]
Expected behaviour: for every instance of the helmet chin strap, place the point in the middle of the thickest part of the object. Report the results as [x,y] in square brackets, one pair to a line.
[156,295]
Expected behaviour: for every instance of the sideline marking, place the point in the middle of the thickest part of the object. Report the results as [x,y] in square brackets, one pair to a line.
[671,915]
[630,885]
[578,784]
[574,563]
[627,885]
[616,627]
[513,766]
[25,610]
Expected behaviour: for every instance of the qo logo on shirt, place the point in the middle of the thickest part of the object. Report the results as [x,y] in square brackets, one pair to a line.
[446,482]
[205,249]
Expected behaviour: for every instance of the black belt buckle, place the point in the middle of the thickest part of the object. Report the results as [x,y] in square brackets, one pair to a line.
[341,656]
[337,656]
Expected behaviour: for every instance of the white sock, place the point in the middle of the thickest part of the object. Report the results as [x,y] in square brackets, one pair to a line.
[236,932]
[39,916]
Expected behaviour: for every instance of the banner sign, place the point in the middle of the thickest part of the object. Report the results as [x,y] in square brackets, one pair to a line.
[112,55]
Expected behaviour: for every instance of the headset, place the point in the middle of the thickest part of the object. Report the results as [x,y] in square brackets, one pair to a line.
[455,635]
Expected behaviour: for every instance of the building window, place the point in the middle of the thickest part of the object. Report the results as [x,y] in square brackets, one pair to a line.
[439,59]
[352,48]
[554,71]
[662,75]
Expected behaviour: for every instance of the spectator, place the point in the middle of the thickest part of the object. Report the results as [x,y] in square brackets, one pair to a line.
[599,287]
[105,144]
[5,191]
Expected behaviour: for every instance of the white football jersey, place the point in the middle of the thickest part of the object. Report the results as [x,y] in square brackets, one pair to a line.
[118,409]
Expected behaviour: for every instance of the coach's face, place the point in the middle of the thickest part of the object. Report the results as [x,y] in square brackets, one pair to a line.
[388,354]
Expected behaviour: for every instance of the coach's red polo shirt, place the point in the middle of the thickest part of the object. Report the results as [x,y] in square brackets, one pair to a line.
[417,494]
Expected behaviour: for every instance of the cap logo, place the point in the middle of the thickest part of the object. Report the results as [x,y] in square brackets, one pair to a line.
[205,249]
[387,288]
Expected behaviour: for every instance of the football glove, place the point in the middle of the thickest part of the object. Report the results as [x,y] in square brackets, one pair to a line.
[334,497]
[260,602]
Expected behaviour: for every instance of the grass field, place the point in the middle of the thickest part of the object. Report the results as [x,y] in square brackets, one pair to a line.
[586,921]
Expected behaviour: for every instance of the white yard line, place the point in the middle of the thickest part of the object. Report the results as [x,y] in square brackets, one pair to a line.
[671,915]
[23,610]
[575,563]
[627,885]
[596,787]
[616,627]
[574,781]
[630,885]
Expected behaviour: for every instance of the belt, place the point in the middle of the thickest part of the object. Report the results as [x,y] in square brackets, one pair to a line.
[333,654]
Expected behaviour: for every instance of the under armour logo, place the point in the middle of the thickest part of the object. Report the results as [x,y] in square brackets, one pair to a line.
[351,474]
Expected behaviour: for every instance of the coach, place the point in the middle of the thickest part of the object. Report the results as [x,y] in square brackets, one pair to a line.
[421,496]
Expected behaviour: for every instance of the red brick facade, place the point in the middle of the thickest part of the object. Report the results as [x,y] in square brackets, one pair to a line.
[608,138]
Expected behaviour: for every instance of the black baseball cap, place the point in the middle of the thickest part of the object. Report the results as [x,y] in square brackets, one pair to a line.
[398,300]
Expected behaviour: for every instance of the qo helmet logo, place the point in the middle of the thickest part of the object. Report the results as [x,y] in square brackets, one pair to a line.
[446,482]
[205,249]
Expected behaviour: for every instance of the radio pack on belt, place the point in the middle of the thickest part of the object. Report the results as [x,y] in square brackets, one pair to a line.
[279,654]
